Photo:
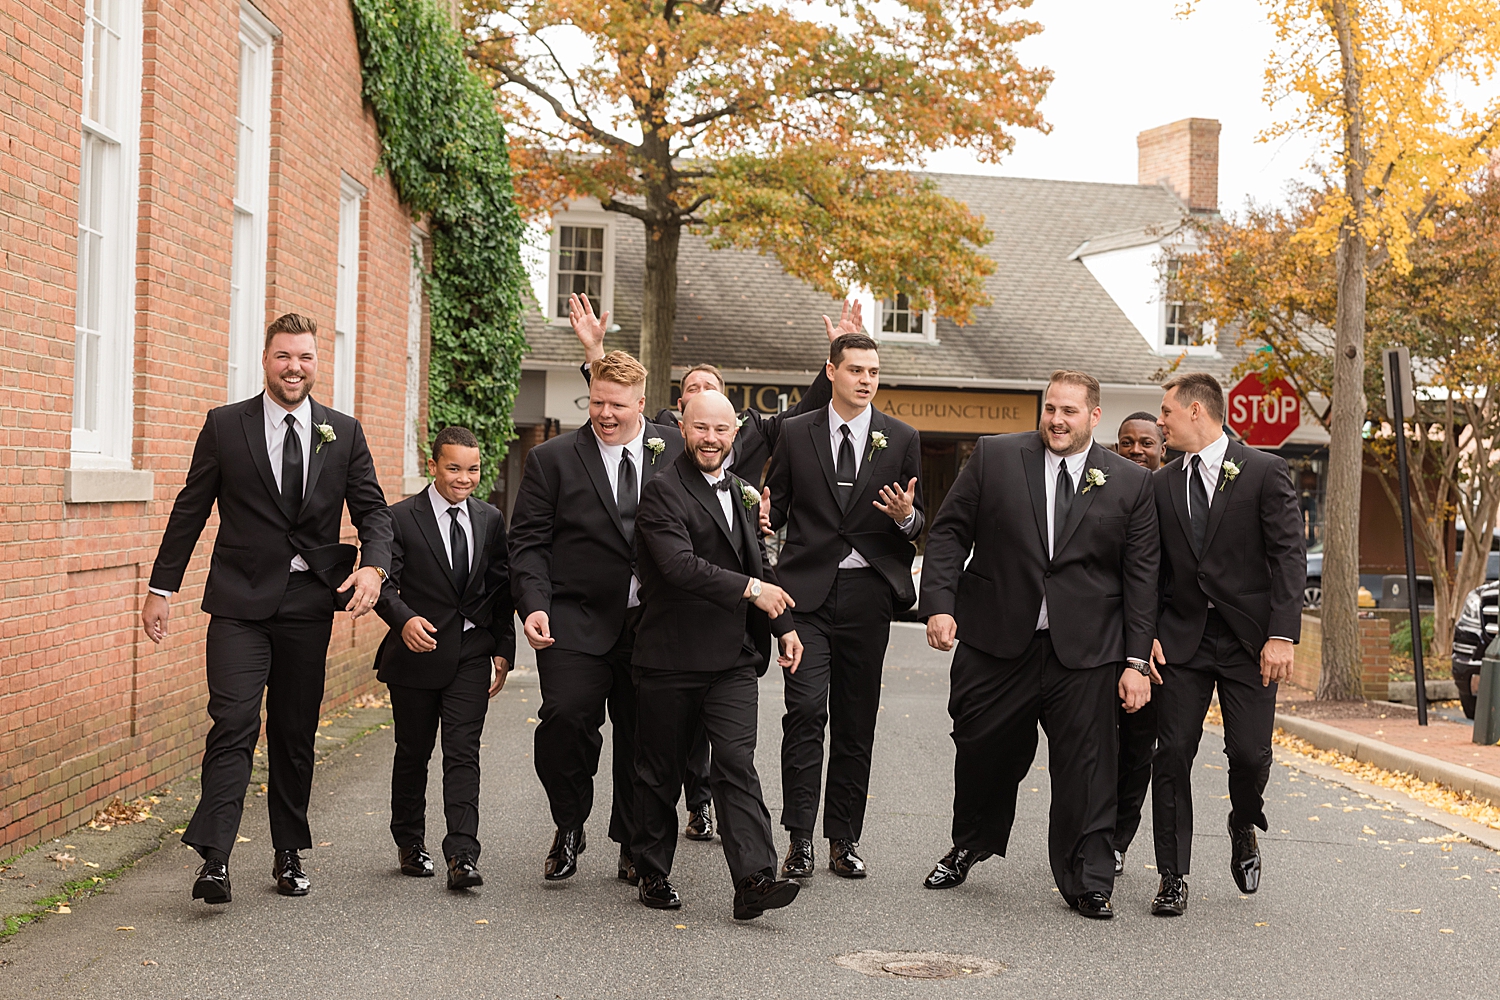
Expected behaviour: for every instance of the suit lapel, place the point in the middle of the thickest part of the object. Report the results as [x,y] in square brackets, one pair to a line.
[1177,485]
[587,447]
[479,523]
[318,452]
[1224,489]
[878,422]
[650,462]
[253,420]
[1034,461]
[817,430]
[427,524]
[749,544]
[1082,501]
[705,495]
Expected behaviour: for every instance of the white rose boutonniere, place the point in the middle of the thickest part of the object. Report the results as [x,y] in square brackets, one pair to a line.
[655,446]
[1231,469]
[325,435]
[1092,478]
[748,496]
[740,421]
[878,441]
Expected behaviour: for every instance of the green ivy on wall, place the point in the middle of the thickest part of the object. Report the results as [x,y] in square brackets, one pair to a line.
[444,148]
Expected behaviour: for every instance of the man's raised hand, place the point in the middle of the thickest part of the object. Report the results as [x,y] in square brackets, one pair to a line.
[899,503]
[538,630]
[588,327]
[851,320]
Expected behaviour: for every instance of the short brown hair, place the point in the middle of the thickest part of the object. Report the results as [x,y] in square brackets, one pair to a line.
[1198,387]
[1082,380]
[619,368]
[291,323]
[849,342]
[711,369]
[459,437]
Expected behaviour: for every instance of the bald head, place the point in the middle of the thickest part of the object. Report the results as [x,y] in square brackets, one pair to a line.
[708,427]
[710,404]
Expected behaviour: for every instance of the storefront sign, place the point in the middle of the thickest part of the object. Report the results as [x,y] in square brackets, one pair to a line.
[961,412]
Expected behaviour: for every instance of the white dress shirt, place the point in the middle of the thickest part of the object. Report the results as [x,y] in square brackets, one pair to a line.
[611,453]
[726,497]
[1050,466]
[276,438]
[859,434]
[440,506]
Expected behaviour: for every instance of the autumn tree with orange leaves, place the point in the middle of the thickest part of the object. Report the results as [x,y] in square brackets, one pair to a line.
[787,128]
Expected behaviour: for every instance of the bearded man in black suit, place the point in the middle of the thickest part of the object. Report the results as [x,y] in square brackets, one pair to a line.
[1054,616]
[281,468]
[572,564]
[1234,567]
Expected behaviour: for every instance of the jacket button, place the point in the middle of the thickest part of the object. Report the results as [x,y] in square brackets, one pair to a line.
[1203,576]
[1047,576]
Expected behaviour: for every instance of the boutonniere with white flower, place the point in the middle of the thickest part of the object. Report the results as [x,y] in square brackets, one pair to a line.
[1092,478]
[748,496]
[325,435]
[878,441]
[740,420]
[655,446]
[1231,469]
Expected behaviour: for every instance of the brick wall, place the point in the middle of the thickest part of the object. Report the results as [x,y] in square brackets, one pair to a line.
[88,708]
[1375,656]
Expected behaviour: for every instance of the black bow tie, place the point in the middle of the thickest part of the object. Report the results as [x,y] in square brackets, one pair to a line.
[722,485]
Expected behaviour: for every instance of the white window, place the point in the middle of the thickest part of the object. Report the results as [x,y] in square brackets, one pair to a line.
[252,187]
[1181,328]
[901,320]
[104,351]
[411,465]
[582,262]
[346,296]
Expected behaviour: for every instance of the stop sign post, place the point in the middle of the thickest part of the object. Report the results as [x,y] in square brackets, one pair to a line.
[1264,413]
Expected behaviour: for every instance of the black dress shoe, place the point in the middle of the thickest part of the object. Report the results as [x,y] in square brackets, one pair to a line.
[291,880]
[1095,906]
[755,894]
[1119,863]
[212,883]
[954,868]
[799,860]
[416,862]
[626,872]
[1244,856]
[700,824]
[844,860]
[1171,897]
[562,860]
[462,874]
[656,891]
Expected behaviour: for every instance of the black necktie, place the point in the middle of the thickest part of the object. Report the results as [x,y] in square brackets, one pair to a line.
[625,495]
[1197,504]
[843,471]
[458,545]
[291,469]
[1062,503]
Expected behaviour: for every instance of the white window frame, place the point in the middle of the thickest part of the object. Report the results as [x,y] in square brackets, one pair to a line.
[928,336]
[1209,347]
[346,294]
[247,268]
[594,219]
[414,475]
[104,359]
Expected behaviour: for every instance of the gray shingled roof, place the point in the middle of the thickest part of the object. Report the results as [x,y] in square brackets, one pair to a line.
[739,310]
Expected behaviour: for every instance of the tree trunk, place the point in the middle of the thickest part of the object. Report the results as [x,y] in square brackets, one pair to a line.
[659,311]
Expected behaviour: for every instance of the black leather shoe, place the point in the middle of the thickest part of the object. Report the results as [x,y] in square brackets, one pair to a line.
[1171,897]
[1244,856]
[291,880]
[562,860]
[416,862]
[1095,906]
[656,891]
[954,868]
[755,894]
[462,874]
[799,860]
[212,883]
[1119,863]
[700,824]
[626,872]
[844,860]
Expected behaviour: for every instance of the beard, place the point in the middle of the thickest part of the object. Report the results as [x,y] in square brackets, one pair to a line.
[709,463]
[1077,441]
[290,395]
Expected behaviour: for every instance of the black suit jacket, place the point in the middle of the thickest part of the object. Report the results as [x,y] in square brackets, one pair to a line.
[421,583]
[1100,586]
[1254,563]
[257,536]
[568,553]
[693,570]
[805,499]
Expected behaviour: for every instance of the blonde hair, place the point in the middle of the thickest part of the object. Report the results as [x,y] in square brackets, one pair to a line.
[619,368]
[1082,380]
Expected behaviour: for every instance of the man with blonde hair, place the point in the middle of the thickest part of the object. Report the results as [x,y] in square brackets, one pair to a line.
[572,560]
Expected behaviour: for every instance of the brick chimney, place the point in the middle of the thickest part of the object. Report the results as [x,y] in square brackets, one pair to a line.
[1184,154]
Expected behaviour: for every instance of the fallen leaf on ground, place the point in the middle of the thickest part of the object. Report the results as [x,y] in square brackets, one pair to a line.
[1263,923]
[147,961]
[1445,930]
[63,908]
[481,921]
[241,839]
[120,813]
[325,843]
[61,859]
[125,927]
[91,864]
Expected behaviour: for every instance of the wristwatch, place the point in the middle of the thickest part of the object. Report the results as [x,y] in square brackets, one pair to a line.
[1140,666]
[381,572]
[754,588]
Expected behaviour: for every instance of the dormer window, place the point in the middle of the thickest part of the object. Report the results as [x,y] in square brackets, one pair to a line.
[901,320]
[582,261]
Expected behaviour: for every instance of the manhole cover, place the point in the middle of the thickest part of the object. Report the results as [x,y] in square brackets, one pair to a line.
[919,965]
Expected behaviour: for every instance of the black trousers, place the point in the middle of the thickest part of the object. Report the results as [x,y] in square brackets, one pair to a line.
[837,686]
[576,690]
[460,707]
[1249,719]
[695,778]
[996,705]
[672,703]
[283,658]
[1137,746]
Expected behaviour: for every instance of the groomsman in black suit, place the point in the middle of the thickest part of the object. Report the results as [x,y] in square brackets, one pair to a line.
[572,565]
[281,467]
[711,605]
[1234,567]
[451,643]
[843,480]
[1054,617]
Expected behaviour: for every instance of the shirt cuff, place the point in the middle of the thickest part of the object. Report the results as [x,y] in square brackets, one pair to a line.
[1285,639]
[158,590]
[910,520]
[1137,660]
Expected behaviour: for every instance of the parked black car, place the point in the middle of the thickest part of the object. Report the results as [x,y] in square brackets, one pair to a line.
[1477,626]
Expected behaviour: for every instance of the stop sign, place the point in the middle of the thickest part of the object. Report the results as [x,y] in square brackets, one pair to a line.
[1264,413]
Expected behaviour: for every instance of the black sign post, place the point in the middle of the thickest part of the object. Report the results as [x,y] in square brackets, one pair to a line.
[1400,401]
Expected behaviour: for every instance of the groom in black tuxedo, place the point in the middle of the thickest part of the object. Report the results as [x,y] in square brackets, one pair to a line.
[451,643]
[1054,616]
[572,565]
[1233,570]
[281,468]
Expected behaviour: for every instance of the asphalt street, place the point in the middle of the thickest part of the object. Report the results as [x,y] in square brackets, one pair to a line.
[1359,898]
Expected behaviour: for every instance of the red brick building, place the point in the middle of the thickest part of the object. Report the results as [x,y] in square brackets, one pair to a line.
[174,173]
